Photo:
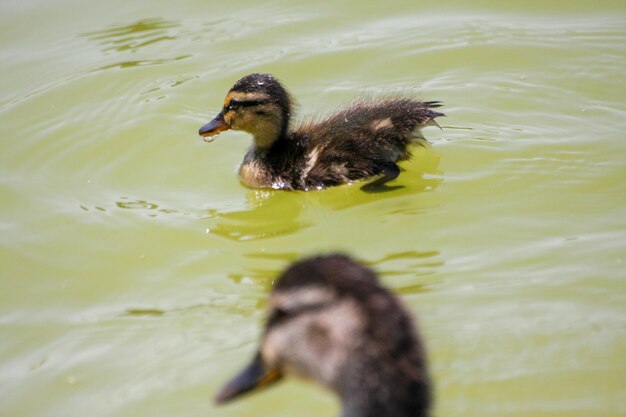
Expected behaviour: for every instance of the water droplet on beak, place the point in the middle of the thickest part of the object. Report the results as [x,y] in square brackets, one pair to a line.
[209,139]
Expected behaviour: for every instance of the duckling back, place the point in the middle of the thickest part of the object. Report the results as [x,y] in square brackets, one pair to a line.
[363,140]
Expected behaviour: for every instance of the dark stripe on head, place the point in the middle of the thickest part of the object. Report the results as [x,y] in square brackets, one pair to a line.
[235,104]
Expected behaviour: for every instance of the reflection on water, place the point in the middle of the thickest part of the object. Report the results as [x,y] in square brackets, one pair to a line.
[278,213]
[141,63]
[131,37]
[276,261]
[149,312]
[286,257]
[273,215]
[147,208]
[405,271]
[199,309]
[264,277]
[403,255]
[400,269]
[160,85]
[127,203]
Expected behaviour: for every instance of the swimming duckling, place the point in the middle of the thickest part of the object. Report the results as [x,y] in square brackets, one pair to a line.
[331,321]
[363,140]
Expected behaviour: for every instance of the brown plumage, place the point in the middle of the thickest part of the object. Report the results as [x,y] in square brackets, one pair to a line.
[331,321]
[361,141]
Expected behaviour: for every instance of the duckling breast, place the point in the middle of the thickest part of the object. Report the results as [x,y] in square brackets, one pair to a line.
[254,174]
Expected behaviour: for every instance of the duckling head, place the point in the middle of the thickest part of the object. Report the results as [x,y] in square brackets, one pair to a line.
[331,322]
[257,104]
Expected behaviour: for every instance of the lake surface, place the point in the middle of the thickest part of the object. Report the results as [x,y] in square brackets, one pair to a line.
[135,266]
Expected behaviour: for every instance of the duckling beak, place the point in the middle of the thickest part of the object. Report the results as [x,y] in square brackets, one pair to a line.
[254,376]
[215,126]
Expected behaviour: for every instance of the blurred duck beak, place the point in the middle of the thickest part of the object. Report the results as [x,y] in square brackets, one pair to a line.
[254,376]
[215,126]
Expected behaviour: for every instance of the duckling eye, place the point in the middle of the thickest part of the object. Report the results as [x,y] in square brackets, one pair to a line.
[281,314]
[278,315]
[233,105]
[237,104]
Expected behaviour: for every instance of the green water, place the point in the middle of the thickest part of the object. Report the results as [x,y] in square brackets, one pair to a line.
[135,267]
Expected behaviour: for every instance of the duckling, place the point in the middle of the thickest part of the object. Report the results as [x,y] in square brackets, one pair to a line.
[331,321]
[361,141]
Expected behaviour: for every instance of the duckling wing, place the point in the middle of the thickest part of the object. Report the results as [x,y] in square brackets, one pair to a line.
[363,140]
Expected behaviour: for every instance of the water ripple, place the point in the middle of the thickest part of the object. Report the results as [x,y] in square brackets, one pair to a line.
[134,36]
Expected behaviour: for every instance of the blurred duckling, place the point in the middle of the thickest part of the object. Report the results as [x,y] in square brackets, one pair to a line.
[331,321]
[363,140]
